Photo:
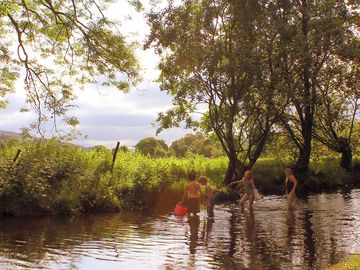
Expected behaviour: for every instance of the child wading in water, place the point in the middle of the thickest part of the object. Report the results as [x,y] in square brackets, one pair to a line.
[249,187]
[192,195]
[290,186]
[209,198]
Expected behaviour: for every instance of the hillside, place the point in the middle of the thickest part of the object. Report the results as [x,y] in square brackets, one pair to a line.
[7,135]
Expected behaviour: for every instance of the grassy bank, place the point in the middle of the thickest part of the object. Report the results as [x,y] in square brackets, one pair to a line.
[352,263]
[52,178]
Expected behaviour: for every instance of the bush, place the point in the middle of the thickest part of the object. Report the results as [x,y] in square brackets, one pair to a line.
[269,175]
[330,174]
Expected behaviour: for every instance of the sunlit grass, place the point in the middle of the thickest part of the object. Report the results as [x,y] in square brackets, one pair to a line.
[53,178]
[352,263]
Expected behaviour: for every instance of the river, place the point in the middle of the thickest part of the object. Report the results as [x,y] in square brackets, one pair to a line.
[321,230]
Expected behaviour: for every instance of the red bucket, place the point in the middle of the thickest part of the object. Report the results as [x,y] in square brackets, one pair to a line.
[180,210]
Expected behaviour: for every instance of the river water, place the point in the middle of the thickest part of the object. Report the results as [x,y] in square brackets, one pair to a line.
[321,230]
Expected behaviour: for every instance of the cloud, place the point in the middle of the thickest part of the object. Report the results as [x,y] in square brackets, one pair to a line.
[109,116]
[106,115]
[11,119]
[127,134]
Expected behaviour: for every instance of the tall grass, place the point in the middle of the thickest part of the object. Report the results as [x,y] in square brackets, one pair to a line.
[50,177]
[54,178]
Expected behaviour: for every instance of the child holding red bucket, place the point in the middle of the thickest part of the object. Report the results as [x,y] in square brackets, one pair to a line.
[191,197]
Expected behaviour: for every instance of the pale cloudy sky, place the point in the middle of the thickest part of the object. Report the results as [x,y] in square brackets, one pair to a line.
[107,115]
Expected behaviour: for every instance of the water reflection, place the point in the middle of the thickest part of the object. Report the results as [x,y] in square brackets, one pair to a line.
[250,226]
[309,240]
[291,227]
[206,231]
[194,223]
[321,230]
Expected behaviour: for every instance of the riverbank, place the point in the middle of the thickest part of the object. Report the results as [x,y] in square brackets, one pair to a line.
[50,178]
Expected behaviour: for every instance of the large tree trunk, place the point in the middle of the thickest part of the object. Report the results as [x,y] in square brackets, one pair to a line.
[303,161]
[302,165]
[346,154]
[235,169]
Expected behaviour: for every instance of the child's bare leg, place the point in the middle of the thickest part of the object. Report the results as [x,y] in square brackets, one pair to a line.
[291,198]
[251,201]
[244,198]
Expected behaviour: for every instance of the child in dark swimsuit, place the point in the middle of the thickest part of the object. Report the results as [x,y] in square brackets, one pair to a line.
[249,187]
[290,186]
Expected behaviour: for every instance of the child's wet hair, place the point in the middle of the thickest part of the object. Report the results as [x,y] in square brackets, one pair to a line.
[191,176]
[289,171]
[249,173]
[203,180]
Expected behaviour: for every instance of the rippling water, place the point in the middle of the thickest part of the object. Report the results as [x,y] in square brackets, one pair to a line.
[321,230]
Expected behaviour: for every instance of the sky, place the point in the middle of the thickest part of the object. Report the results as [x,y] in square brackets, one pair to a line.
[107,115]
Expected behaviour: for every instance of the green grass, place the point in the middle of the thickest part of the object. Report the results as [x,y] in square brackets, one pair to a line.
[351,263]
[53,178]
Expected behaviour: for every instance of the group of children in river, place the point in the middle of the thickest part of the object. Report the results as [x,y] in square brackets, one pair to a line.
[193,193]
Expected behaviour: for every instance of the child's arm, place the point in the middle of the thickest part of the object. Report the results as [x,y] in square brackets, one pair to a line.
[184,196]
[235,182]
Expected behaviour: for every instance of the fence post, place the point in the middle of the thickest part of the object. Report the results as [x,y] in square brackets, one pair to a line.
[17,155]
[114,155]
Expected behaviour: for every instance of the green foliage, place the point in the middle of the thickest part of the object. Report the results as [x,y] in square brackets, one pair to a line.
[329,173]
[259,64]
[351,263]
[8,7]
[152,147]
[54,178]
[197,144]
[224,55]
[77,44]
[268,174]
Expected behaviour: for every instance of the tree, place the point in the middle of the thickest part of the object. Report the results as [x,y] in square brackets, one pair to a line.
[312,33]
[100,148]
[124,148]
[61,45]
[220,54]
[338,107]
[153,147]
[196,144]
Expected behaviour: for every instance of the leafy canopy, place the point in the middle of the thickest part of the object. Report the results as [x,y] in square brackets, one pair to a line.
[220,56]
[57,46]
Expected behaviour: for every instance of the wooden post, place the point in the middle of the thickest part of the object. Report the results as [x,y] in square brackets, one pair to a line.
[114,155]
[17,155]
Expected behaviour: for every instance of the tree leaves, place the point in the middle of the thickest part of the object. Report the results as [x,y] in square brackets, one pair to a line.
[63,45]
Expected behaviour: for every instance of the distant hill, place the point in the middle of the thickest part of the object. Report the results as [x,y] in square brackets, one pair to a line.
[7,135]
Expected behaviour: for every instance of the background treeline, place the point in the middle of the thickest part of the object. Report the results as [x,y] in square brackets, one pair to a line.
[50,177]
